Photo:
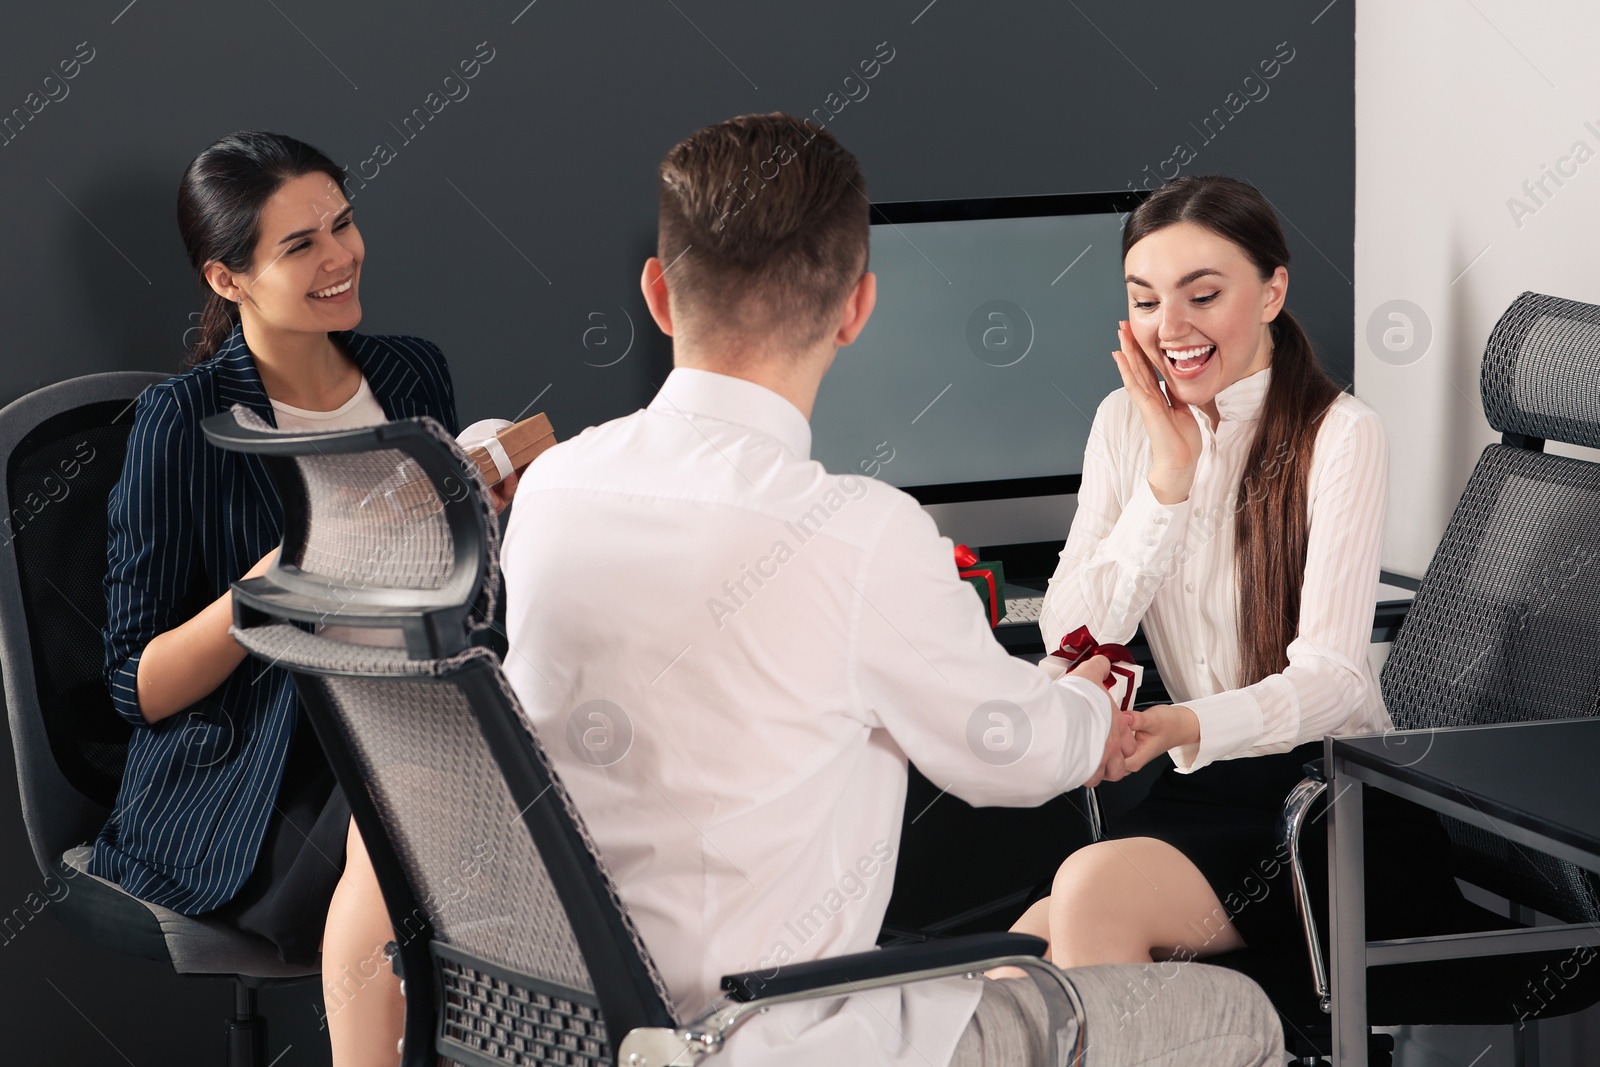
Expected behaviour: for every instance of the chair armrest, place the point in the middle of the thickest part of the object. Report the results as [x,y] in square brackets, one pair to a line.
[860,967]
[752,994]
[1316,770]
[1299,802]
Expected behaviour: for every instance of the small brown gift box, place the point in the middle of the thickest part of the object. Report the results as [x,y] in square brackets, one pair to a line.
[523,441]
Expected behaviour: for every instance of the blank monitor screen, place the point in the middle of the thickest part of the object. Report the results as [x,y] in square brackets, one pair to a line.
[990,348]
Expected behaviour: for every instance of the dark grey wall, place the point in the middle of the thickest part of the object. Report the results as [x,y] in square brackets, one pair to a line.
[525,208]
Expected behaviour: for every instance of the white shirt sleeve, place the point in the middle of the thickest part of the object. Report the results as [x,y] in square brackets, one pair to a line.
[989,728]
[1117,555]
[1348,493]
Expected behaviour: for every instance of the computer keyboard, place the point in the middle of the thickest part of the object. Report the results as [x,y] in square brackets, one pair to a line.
[1022,609]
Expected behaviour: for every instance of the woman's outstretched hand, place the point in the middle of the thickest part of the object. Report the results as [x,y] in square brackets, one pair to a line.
[502,491]
[1159,729]
[1174,433]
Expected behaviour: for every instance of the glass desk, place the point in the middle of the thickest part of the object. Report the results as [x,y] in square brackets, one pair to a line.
[1536,784]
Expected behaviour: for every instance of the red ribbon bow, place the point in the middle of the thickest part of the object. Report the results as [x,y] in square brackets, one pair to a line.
[1080,646]
[966,561]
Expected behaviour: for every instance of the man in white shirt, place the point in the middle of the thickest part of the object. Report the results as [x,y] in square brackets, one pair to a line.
[731,655]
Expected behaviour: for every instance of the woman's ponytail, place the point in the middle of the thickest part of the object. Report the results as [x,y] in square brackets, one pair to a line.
[217,320]
[1272,529]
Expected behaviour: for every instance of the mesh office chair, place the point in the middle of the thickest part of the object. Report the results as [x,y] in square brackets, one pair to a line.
[381,526]
[1505,627]
[514,945]
[63,448]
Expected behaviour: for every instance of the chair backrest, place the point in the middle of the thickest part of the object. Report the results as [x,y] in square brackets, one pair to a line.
[62,447]
[514,942]
[1505,626]
[383,526]
[508,924]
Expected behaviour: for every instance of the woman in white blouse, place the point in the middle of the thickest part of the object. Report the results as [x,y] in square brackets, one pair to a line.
[1239,516]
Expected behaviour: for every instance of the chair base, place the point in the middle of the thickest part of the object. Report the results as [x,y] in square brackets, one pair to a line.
[247,1030]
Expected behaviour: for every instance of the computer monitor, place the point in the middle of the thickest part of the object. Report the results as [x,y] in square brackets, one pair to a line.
[975,382]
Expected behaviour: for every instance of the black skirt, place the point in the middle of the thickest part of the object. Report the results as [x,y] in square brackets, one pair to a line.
[286,897]
[1225,819]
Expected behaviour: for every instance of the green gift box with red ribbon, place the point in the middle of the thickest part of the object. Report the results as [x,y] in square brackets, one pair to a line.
[988,577]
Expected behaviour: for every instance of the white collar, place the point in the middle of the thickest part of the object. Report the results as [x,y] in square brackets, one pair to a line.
[1243,400]
[691,391]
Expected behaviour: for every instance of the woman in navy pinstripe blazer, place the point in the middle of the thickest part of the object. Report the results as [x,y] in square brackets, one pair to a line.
[227,805]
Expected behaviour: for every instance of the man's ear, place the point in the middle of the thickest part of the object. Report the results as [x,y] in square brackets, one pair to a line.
[857,309]
[1277,293]
[654,283]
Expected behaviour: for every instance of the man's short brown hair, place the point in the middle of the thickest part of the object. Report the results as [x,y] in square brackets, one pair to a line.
[763,228]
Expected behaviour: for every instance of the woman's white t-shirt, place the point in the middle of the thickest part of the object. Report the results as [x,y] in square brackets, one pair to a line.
[362,409]
[1131,559]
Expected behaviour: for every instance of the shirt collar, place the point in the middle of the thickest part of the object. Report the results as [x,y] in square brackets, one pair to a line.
[691,391]
[1242,401]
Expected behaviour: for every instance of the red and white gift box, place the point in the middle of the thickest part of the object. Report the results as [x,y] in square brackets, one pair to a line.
[1079,646]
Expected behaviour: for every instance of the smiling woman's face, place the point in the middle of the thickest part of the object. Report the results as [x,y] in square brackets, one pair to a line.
[1199,308]
[306,273]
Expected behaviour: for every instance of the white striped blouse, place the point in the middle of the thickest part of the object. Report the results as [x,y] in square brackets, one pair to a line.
[1130,559]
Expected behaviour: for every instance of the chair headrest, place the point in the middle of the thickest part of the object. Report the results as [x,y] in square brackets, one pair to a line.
[386,526]
[1541,368]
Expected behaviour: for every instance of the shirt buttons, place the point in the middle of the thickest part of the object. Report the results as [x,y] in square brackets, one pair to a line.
[1188,587]
[1200,659]
[1162,519]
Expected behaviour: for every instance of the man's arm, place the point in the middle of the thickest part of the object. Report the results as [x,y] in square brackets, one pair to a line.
[989,728]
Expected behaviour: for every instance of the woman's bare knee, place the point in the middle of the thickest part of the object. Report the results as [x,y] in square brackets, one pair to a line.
[1134,900]
[1088,875]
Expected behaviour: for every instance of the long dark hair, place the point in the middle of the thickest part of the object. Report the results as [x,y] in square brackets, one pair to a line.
[219,213]
[1271,525]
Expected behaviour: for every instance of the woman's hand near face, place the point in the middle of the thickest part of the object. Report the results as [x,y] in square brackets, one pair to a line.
[1174,433]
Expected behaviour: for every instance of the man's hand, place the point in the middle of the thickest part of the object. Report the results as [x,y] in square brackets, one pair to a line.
[1120,741]
[1162,728]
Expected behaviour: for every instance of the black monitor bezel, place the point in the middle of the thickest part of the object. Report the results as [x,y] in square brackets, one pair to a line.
[1002,207]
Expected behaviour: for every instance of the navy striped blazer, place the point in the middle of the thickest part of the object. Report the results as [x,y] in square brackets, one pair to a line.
[186,520]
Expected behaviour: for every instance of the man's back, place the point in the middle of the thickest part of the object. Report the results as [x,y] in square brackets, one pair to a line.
[730,653]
